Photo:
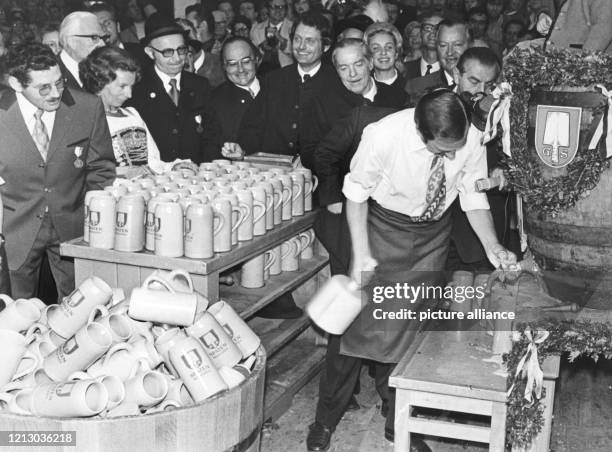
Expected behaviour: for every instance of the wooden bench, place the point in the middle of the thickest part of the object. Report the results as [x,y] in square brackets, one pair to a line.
[447,371]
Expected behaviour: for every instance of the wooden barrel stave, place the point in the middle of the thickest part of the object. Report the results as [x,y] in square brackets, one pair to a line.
[575,246]
[230,421]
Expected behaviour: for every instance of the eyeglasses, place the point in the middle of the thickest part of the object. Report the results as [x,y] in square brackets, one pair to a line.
[278,7]
[169,53]
[45,89]
[234,64]
[94,38]
[429,27]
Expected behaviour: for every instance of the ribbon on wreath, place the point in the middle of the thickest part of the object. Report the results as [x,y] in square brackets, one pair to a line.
[499,113]
[530,366]
[600,127]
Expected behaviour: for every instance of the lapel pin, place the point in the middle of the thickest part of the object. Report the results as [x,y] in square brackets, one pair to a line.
[152,95]
[78,151]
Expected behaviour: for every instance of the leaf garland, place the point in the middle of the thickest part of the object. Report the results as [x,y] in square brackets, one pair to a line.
[524,420]
[526,69]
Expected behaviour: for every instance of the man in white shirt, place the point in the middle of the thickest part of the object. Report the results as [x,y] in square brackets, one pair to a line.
[407,171]
[79,33]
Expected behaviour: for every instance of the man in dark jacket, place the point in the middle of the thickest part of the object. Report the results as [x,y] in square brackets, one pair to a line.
[174,103]
[232,98]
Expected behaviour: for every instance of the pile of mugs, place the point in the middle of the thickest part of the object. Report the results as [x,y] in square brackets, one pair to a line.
[182,214]
[99,354]
[286,257]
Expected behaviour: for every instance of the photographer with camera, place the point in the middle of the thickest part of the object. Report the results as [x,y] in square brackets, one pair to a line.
[272,37]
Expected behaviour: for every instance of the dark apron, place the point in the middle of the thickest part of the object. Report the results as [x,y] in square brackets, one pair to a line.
[407,252]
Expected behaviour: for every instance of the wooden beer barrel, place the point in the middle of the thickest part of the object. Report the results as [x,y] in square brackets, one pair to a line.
[575,246]
[230,421]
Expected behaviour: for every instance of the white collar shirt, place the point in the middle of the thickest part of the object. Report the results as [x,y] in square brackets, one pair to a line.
[371,93]
[199,62]
[434,66]
[390,81]
[165,78]
[27,111]
[72,65]
[311,72]
[254,86]
[392,166]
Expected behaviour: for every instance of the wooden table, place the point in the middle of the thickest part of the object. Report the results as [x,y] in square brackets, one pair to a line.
[456,371]
[447,371]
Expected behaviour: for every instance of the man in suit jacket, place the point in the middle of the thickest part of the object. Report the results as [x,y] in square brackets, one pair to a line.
[55,147]
[428,63]
[452,40]
[207,65]
[231,99]
[174,103]
[282,119]
[353,63]
[583,24]
[107,18]
[79,33]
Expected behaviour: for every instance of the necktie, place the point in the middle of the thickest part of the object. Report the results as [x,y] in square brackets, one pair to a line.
[428,71]
[305,78]
[40,135]
[452,86]
[252,93]
[174,93]
[436,191]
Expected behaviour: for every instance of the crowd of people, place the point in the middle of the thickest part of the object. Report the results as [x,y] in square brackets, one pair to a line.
[380,99]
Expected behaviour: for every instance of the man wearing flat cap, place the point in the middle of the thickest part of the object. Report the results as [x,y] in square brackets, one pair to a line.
[174,103]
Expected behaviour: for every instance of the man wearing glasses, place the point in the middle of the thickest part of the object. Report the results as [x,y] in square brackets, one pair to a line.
[174,103]
[231,99]
[428,63]
[55,147]
[79,34]
[272,35]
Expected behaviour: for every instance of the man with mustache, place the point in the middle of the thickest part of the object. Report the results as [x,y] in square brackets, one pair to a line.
[55,147]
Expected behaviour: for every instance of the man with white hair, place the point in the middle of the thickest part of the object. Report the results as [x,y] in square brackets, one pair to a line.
[79,33]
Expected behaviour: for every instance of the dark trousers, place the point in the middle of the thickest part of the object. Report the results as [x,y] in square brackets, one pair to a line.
[333,232]
[337,383]
[24,280]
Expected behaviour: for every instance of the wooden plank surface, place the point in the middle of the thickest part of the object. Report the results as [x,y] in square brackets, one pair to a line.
[453,362]
[248,301]
[288,371]
[275,334]
[244,250]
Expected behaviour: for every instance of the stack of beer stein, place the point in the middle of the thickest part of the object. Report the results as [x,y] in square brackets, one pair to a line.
[285,257]
[99,354]
[182,214]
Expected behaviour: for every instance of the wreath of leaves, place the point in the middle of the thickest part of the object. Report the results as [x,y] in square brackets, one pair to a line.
[526,69]
[524,420]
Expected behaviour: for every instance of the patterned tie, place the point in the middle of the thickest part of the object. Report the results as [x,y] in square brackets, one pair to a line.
[436,191]
[428,71]
[174,93]
[40,135]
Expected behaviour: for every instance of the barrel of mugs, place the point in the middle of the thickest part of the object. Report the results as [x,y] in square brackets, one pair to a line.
[229,421]
[574,247]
